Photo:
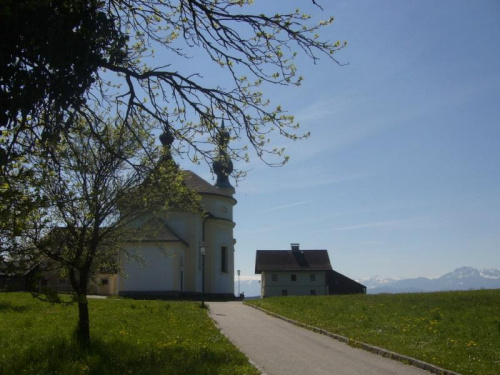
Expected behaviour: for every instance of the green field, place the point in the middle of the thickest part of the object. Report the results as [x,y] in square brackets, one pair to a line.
[129,337]
[458,331]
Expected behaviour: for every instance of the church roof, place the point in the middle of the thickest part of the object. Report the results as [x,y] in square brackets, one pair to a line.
[157,230]
[168,235]
[292,260]
[198,184]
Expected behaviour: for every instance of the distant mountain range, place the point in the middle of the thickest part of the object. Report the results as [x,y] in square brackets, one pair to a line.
[464,278]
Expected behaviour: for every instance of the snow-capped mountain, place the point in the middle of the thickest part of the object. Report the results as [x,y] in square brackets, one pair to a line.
[463,278]
[490,273]
[377,281]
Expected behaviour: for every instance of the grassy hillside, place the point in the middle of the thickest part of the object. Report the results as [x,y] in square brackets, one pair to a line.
[459,331]
[129,337]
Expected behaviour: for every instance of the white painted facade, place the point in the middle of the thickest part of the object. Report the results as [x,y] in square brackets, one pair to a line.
[157,270]
[304,283]
[174,264]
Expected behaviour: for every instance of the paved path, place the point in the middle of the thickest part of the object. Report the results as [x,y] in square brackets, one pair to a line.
[277,347]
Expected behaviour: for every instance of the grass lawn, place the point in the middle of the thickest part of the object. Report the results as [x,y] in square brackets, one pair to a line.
[129,337]
[459,331]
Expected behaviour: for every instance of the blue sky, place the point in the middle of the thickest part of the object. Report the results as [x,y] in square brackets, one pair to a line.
[401,174]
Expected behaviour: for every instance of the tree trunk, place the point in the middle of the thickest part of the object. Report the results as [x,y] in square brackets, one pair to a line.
[83,330]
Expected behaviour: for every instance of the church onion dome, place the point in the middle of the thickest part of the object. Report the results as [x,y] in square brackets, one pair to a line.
[223,167]
[166,139]
[222,164]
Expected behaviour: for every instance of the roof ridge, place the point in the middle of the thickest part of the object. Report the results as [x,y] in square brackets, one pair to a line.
[289,260]
[201,186]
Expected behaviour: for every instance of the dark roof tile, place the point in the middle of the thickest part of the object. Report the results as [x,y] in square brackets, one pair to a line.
[158,231]
[198,184]
[288,260]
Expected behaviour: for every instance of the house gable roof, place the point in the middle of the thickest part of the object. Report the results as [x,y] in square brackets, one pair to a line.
[289,260]
[333,278]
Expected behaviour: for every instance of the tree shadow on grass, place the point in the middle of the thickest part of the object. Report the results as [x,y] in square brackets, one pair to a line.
[6,306]
[120,357]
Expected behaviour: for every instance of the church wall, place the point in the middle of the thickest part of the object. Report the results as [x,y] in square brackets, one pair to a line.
[159,269]
[189,228]
[165,263]
[193,257]
[219,206]
[220,234]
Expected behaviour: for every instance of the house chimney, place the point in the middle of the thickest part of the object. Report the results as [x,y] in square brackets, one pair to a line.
[295,246]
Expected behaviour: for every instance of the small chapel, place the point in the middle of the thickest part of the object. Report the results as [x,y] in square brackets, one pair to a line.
[190,253]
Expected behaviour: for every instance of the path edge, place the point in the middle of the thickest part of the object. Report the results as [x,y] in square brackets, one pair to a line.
[361,345]
[209,313]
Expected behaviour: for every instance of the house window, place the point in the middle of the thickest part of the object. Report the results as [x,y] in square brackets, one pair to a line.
[274,277]
[312,277]
[284,292]
[313,292]
[294,277]
[223,259]
[104,282]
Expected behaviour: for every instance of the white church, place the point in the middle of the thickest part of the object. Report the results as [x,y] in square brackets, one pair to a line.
[172,263]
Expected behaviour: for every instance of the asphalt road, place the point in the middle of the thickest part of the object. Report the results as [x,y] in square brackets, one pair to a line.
[279,348]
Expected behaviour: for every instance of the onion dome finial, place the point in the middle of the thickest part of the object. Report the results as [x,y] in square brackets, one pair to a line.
[166,139]
[222,164]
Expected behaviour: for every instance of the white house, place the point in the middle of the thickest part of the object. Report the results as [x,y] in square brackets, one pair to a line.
[301,272]
[292,272]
